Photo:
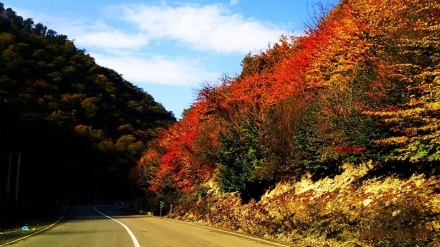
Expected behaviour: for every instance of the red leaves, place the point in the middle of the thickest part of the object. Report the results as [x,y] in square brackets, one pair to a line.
[173,155]
[348,150]
[354,67]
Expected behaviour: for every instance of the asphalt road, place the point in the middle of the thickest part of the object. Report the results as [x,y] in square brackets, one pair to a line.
[103,225]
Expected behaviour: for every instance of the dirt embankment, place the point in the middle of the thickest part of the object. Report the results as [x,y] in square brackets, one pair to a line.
[350,209]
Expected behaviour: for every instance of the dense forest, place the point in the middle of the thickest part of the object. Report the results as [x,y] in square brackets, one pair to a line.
[331,138]
[70,129]
[327,139]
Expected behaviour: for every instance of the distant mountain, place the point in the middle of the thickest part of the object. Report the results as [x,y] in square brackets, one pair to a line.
[79,127]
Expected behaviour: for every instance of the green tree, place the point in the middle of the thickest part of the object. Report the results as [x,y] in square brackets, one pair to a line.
[239,156]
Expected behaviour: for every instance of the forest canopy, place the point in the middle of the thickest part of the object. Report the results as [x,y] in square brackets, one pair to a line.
[361,85]
[79,127]
[327,139]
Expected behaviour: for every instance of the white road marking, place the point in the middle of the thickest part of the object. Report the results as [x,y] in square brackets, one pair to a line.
[133,238]
[230,233]
[35,233]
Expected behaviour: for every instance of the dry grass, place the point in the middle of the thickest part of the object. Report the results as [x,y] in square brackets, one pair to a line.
[339,211]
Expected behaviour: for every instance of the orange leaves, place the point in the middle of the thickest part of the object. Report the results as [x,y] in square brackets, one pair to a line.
[249,96]
[348,150]
[367,75]
[409,66]
[173,154]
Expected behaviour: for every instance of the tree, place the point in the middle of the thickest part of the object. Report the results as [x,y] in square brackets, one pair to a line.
[411,61]
[64,111]
[239,155]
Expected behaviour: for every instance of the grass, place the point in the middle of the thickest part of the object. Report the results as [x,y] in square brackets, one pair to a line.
[350,209]
[8,235]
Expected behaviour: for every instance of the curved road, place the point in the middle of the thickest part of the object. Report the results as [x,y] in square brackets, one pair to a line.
[103,225]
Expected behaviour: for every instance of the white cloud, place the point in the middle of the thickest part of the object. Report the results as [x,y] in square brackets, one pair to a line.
[233,2]
[157,69]
[96,34]
[111,39]
[204,28]
[148,29]
[101,35]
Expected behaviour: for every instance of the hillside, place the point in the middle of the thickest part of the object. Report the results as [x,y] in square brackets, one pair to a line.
[77,128]
[331,138]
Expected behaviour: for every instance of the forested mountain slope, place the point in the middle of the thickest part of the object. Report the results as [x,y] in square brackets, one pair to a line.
[79,127]
[330,127]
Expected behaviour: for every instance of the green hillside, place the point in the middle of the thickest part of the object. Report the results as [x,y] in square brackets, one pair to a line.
[77,127]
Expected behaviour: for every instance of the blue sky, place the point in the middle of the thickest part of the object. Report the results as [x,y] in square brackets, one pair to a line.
[169,48]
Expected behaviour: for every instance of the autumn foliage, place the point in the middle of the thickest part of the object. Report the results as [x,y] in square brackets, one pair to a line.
[362,86]
[80,127]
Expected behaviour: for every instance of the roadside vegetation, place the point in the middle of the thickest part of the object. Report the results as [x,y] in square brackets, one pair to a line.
[34,226]
[331,138]
[328,139]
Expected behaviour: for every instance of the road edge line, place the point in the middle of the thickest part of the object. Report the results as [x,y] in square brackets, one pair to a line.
[132,236]
[35,233]
[227,232]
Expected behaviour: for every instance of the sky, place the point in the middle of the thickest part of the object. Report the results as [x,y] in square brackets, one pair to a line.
[170,48]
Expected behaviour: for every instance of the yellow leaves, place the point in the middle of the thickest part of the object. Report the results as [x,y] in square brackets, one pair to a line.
[433,106]
[434,28]
[6,38]
[437,77]
[398,140]
[102,77]
[435,200]
[343,199]
[407,66]
[371,49]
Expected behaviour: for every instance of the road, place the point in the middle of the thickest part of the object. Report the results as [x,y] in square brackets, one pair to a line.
[103,225]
